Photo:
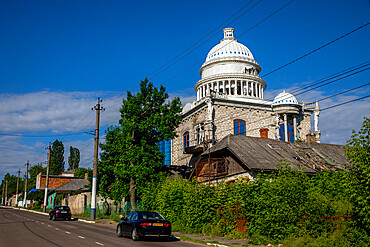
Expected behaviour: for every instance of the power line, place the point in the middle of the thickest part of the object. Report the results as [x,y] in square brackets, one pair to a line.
[346,91]
[347,102]
[213,36]
[26,135]
[201,60]
[122,94]
[203,38]
[317,49]
[343,73]
[343,77]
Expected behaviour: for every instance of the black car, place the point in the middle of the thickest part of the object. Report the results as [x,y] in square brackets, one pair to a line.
[144,224]
[63,212]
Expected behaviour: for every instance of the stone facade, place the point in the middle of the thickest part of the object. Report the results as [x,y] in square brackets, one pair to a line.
[217,119]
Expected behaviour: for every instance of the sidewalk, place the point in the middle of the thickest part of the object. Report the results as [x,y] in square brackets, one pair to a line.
[215,241]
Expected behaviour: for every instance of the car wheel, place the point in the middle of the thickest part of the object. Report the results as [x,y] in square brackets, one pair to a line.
[134,235]
[54,217]
[50,216]
[119,232]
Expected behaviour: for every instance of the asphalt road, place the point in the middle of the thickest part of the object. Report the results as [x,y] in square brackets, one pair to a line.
[24,228]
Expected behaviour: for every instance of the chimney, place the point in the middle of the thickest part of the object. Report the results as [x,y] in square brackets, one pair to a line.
[86,176]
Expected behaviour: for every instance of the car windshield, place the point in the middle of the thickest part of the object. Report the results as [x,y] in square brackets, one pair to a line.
[151,216]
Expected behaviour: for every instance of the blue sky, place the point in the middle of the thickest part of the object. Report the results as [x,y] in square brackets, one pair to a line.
[57,57]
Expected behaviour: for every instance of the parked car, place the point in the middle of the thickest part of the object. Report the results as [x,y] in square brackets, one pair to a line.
[63,212]
[144,224]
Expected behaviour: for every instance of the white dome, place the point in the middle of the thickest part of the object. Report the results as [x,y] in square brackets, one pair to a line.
[229,47]
[285,98]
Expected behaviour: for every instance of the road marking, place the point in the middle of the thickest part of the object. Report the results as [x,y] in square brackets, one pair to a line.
[67,232]
[42,222]
[57,229]
[99,243]
[49,225]
[81,237]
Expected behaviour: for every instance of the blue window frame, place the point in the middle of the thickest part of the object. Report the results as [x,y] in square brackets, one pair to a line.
[165,148]
[239,127]
[290,133]
[186,139]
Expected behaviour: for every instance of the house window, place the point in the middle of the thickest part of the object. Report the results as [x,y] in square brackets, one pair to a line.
[290,133]
[186,139]
[239,127]
[264,133]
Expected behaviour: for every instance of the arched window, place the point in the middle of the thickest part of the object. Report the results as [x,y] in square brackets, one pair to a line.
[239,127]
[290,133]
[186,140]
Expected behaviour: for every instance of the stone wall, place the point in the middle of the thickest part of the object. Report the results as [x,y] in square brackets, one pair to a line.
[223,119]
[255,120]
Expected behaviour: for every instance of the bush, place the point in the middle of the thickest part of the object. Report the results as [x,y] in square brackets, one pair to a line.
[287,205]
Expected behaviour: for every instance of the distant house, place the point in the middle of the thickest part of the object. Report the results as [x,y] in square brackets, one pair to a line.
[64,183]
[56,181]
[238,156]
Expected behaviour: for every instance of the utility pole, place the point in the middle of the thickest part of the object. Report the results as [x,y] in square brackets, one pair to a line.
[47,180]
[95,168]
[16,194]
[2,198]
[25,186]
[6,192]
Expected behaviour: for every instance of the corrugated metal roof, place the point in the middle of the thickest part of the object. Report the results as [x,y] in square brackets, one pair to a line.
[74,185]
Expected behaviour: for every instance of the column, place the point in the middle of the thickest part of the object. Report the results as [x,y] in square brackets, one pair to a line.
[262,92]
[197,94]
[235,87]
[295,127]
[218,86]
[252,85]
[286,128]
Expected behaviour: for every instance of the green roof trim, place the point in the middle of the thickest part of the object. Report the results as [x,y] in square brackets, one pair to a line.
[326,159]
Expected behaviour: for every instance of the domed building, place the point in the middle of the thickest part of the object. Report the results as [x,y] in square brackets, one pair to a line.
[230,101]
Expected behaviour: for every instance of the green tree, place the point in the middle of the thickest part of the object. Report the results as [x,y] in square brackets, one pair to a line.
[74,158]
[130,155]
[12,185]
[358,152]
[57,158]
[33,171]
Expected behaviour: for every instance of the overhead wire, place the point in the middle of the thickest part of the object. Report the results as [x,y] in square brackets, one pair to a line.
[122,93]
[344,103]
[215,29]
[329,79]
[317,49]
[346,91]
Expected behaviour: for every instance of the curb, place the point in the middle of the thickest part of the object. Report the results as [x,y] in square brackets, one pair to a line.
[217,245]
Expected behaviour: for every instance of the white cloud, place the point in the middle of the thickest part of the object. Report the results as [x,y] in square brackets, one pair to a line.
[52,111]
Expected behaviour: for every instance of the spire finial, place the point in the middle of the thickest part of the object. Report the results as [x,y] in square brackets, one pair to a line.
[228,33]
